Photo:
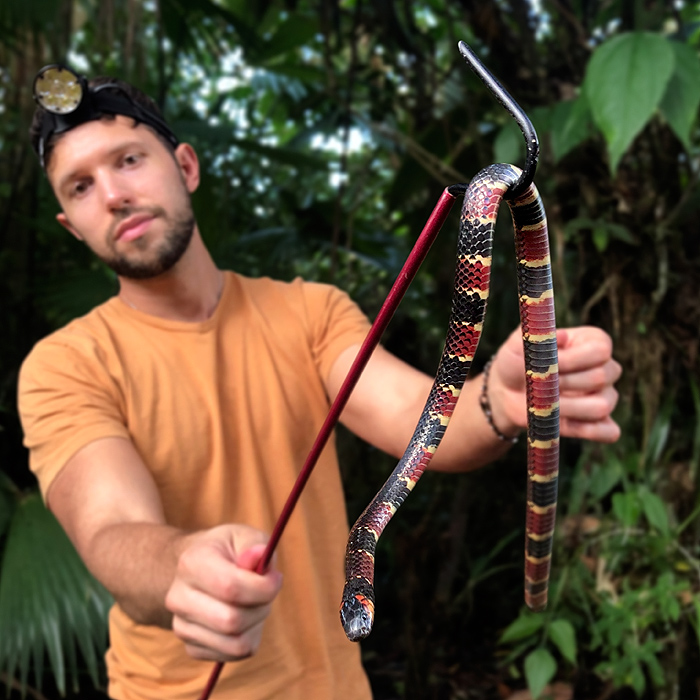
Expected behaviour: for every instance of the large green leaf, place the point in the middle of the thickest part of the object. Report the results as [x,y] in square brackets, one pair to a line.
[540,668]
[682,98]
[526,625]
[49,603]
[625,81]
[562,634]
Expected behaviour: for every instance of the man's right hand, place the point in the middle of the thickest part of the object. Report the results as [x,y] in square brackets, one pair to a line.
[201,583]
[218,602]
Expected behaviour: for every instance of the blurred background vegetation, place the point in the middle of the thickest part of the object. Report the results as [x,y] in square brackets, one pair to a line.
[327,130]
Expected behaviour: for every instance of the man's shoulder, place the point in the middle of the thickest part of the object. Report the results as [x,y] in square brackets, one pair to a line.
[82,335]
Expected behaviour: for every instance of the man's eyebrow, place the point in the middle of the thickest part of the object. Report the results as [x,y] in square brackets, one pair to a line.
[110,153]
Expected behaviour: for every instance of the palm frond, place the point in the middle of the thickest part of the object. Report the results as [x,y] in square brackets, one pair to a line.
[50,605]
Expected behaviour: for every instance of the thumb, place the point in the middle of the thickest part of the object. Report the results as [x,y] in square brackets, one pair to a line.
[249,559]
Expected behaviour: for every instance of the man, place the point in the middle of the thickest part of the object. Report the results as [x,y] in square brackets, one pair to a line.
[167,426]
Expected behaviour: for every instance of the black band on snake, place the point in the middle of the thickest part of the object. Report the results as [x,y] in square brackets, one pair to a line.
[472,277]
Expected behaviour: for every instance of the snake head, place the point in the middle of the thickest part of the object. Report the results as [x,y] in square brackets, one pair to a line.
[357,616]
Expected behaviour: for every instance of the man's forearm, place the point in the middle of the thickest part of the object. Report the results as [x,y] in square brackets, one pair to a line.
[469,442]
[136,562]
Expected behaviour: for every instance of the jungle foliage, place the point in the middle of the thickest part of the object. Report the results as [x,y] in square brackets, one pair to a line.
[327,131]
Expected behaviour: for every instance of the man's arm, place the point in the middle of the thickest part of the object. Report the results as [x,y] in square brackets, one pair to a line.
[389,397]
[200,583]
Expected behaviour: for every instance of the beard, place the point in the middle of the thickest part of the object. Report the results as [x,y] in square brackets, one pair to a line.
[180,228]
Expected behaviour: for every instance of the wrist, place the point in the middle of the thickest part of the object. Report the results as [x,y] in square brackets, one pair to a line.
[492,407]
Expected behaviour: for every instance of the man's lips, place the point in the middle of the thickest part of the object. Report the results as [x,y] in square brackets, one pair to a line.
[133,227]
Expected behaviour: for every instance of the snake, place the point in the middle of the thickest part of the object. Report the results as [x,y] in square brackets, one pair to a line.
[482,200]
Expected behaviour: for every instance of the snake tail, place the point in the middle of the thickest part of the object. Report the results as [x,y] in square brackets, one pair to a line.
[542,389]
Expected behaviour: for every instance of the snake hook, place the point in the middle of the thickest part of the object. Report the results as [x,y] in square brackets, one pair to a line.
[532,143]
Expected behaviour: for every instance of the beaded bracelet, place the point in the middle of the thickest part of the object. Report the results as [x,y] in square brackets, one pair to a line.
[486,405]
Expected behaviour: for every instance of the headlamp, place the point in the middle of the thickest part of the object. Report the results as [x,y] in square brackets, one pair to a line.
[69,101]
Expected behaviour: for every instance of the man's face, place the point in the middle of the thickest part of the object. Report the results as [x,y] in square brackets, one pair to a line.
[125,195]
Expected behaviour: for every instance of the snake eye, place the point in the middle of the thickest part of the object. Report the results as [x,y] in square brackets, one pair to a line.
[58,89]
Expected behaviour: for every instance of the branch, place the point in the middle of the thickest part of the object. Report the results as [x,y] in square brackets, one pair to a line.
[432,164]
[14,684]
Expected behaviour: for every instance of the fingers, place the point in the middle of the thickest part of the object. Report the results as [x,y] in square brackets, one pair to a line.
[218,603]
[606,430]
[218,630]
[592,380]
[583,348]
[217,572]
[587,375]
[587,416]
[589,407]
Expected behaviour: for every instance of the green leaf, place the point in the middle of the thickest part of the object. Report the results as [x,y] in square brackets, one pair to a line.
[654,511]
[625,81]
[570,126]
[600,238]
[627,508]
[604,477]
[294,32]
[659,434]
[540,668]
[49,603]
[524,626]
[682,98]
[636,679]
[563,636]
[622,233]
[508,146]
[656,671]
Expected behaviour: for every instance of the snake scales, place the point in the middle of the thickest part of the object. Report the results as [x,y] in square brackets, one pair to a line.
[479,211]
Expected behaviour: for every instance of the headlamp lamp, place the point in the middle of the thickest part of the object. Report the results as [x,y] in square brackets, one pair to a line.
[69,101]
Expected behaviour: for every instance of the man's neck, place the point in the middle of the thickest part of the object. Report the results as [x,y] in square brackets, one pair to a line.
[190,291]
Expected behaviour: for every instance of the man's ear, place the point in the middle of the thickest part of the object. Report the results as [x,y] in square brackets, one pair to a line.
[186,158]
[63,220]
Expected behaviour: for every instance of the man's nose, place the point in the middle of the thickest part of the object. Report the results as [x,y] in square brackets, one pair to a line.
[115,191]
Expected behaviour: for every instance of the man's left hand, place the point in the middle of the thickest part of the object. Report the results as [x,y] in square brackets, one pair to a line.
[587,374]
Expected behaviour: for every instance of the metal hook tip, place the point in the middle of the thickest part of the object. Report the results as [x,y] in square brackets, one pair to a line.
[512,107]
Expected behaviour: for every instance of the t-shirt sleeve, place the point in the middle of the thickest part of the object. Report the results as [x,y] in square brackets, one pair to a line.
[66,401]
[336,323]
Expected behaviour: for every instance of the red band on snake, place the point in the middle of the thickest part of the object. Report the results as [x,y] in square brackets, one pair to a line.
[471,290]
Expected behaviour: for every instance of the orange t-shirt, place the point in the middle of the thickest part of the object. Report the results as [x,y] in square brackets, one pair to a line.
[223,413]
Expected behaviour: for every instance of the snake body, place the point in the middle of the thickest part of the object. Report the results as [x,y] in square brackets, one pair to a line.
[471,289]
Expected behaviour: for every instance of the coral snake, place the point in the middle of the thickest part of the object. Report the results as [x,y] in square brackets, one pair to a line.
[481,202]
[471,290]
[482,199]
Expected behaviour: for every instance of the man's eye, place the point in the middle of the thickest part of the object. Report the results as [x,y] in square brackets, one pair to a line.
[79,188]
[131,159]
